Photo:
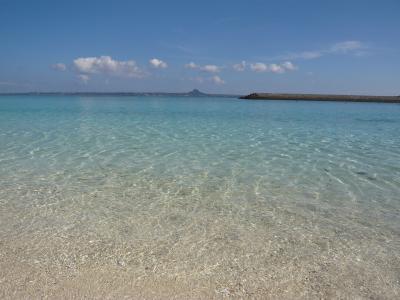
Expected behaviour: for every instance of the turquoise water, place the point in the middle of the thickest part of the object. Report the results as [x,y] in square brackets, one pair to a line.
[198,197]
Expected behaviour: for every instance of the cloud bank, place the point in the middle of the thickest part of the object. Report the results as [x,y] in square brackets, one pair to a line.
[85,67]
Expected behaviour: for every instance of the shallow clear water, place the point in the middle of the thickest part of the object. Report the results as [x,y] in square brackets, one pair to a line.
[198,198]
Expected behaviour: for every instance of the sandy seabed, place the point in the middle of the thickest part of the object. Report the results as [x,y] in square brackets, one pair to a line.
[153,198]
[160,246]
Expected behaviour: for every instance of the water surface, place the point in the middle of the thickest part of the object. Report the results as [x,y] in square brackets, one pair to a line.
[198,198]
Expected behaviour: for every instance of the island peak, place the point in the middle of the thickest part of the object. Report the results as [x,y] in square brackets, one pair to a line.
[196,93]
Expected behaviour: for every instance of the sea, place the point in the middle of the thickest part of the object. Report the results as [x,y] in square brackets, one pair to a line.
[159,197]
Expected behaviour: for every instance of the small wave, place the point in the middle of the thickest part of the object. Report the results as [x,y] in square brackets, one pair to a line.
[378,120]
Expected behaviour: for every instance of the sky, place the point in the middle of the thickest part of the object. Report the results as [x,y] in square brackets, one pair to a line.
[235,47]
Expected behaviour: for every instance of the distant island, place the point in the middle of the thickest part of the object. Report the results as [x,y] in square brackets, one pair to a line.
[254,96]
[193,93]
[323,97]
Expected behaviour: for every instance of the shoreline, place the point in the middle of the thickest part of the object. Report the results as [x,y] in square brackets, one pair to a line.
[322,97]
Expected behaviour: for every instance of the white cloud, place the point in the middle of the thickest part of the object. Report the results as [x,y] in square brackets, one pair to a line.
[107,65]
[210,68]
[206,68]
[191,65]
[289,66]
[259,67]
[273,68]
[347,46]
[59,67]
[217,80]
[240,66]
[158,63]
[213,79]
[84,78]
[302,55]
[306,55]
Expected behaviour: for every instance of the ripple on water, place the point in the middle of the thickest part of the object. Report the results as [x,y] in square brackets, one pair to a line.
[177,197]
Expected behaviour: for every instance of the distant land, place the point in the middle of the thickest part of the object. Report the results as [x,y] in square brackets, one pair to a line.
[323,97]
[193,93]
[253,96]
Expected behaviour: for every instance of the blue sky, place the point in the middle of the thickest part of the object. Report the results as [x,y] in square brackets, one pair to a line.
[337,46]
